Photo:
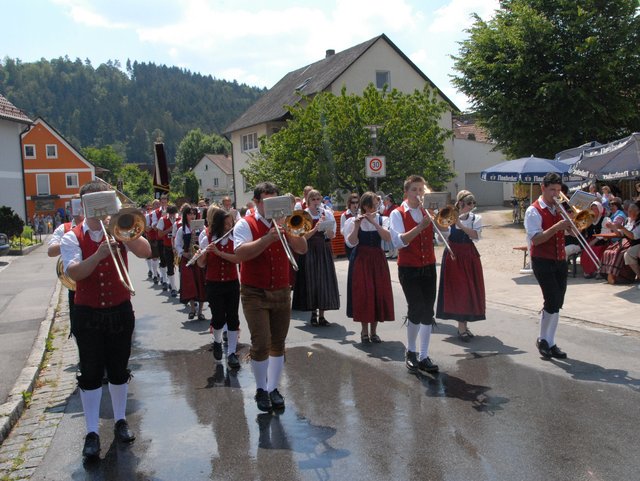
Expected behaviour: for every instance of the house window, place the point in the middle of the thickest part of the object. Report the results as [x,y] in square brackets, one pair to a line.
[383,77]
[200,182]
[72,181]
[215,182]
[250,142]
[42,181]
[29,151]
[206,167]
[52,151]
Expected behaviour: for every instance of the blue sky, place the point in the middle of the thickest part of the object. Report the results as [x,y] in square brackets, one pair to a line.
[252,41]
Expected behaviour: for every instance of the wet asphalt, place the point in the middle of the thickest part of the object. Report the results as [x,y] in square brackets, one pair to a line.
[495,412]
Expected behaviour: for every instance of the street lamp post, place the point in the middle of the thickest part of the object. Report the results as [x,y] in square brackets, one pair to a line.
[373,134]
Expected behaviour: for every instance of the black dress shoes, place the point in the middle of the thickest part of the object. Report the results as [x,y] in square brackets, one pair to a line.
[411,361]
[123,433]
[263,400]
[91,447]
[217,350]
[277,401]
[427,366]
[557,353]
[232,361]
[543,348]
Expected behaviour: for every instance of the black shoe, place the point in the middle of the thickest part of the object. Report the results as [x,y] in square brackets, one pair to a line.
[277,401]
[191,315]
[427,366]
[217,350]
[543,348]
[557,353]
[155,279]
[411,361]
[91,447]
[263,401]
[314,319]
[165,286]
[323,322]
[174,293]
[232,361]
[464,336]
[123,433]
[149,275]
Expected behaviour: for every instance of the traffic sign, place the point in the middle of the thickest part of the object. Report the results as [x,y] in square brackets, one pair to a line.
[375,166]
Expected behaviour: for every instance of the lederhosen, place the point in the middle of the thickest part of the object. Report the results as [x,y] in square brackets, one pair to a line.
[104,320]
[417,272]
[166,254]
[223,288]
[549,263]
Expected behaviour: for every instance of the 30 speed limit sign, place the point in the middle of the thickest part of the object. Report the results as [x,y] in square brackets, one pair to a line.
[375,166]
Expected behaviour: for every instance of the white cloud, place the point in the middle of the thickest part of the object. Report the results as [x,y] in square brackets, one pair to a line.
[456,15]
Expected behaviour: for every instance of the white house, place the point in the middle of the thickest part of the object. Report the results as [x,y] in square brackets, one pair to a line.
[215,177]
[13,122]
[378,61]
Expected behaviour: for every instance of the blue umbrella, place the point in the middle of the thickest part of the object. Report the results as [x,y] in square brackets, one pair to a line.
[526,169]
[616,160]
[574,154]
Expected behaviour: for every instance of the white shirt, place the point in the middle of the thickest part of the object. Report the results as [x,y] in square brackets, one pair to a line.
[179,238]
[472,221]
[242,231]
[203,240]
[70,247]
[56,237]
[396,224]
[365,226]
[160,225]
[533,219]
[343,220]
[328,216]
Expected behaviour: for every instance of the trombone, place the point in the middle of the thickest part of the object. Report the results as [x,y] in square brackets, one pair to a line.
[444,219]
[297,223]
[583,218]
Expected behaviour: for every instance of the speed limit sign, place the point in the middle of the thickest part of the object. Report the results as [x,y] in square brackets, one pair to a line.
[375,166]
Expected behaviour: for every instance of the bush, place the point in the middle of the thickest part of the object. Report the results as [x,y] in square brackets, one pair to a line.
[10,223]
[27,232]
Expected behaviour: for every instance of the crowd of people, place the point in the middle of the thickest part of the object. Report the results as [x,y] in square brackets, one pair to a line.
[230,258]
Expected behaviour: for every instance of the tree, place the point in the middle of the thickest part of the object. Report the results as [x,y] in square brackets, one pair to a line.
[545,75]
[326,141]
[107,158]
[137,184]
[10,222]
[184,186]
[195,145]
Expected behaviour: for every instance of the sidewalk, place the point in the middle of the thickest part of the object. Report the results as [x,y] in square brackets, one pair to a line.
[29,295]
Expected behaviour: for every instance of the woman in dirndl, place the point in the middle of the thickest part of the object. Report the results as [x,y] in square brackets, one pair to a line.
[613,264]
[316,285]
[369,294]
[461,294]
[191,277]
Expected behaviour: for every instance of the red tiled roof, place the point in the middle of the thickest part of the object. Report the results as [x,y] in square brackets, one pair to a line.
[470,131]
[221,161]
[9,111]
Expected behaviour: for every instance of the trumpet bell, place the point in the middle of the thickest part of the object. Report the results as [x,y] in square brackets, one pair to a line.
[298,223]
[127,225]
[65,280]
[446,217]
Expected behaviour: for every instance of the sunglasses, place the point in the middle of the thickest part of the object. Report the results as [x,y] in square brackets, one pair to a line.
[471,202]
[353,202]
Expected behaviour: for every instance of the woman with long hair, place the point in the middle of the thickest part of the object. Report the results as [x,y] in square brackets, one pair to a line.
[191,277]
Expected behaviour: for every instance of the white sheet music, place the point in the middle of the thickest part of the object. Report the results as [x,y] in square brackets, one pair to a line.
[100,204]
[277,207]
[196,225]
[581,199]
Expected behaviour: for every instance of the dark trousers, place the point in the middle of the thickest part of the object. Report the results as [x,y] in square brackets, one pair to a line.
[103,337]
[166,259]
[224,299]
[419,287]
[552,277]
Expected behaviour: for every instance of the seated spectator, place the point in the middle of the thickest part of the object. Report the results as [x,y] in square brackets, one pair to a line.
[613,258]
[597,245]
[636,198]
[607,197]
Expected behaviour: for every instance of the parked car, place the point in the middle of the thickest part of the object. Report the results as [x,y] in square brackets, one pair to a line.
[4,244]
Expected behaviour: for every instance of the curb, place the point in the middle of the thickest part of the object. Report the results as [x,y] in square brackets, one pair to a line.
[12,409]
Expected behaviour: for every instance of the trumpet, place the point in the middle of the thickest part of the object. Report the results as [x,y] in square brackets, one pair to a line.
[444,219]
[583,218]
[201,252]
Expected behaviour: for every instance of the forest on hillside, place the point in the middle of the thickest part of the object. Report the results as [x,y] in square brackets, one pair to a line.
[128,109]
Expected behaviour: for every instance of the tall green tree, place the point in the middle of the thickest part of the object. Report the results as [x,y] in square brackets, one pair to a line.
[547,75]
[326,141]
[107,158]
[195,145]
[137,184]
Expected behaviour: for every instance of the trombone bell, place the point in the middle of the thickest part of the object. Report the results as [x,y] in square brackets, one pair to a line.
[65,280]
[298,223]
[127,225]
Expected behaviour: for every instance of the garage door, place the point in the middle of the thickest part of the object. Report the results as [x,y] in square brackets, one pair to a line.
[486,193]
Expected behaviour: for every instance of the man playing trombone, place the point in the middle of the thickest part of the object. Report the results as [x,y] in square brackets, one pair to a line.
[104,319]
[265,293]
[545,228]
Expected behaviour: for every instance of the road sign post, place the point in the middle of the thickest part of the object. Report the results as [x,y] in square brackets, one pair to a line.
[375,166]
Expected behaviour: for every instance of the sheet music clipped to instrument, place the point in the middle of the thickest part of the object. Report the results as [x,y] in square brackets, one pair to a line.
[100,204]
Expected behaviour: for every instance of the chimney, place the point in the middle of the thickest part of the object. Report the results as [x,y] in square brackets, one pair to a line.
[330,52]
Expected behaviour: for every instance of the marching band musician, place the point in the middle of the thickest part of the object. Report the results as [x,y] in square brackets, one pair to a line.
[412,232]
[104,320]
[352,211]
[165,235]
[316,286]
[191,277]
[545,228]
[464,273]
[156,215]
[152,236]
[222,285]
[265,294]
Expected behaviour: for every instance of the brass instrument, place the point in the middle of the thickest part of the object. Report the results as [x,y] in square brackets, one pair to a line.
[298,223]
[65,280]
[583,218]
[442,218]
[446,217]
[199,253]
[295,222]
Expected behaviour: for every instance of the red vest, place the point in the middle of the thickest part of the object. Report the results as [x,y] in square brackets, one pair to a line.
[66,227]
[151,234]
[270,270]
[166,240]
[219,269]
[419,252]
[554,247]
[102,289]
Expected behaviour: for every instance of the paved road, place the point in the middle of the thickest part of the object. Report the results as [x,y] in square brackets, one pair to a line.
[496,411]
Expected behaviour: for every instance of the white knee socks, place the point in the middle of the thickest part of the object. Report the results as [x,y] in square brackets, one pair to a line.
[232,339]
[217,335]
[260,369]
[91,407]
[119,399]
[425,338]
[274,372]
[412,335]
